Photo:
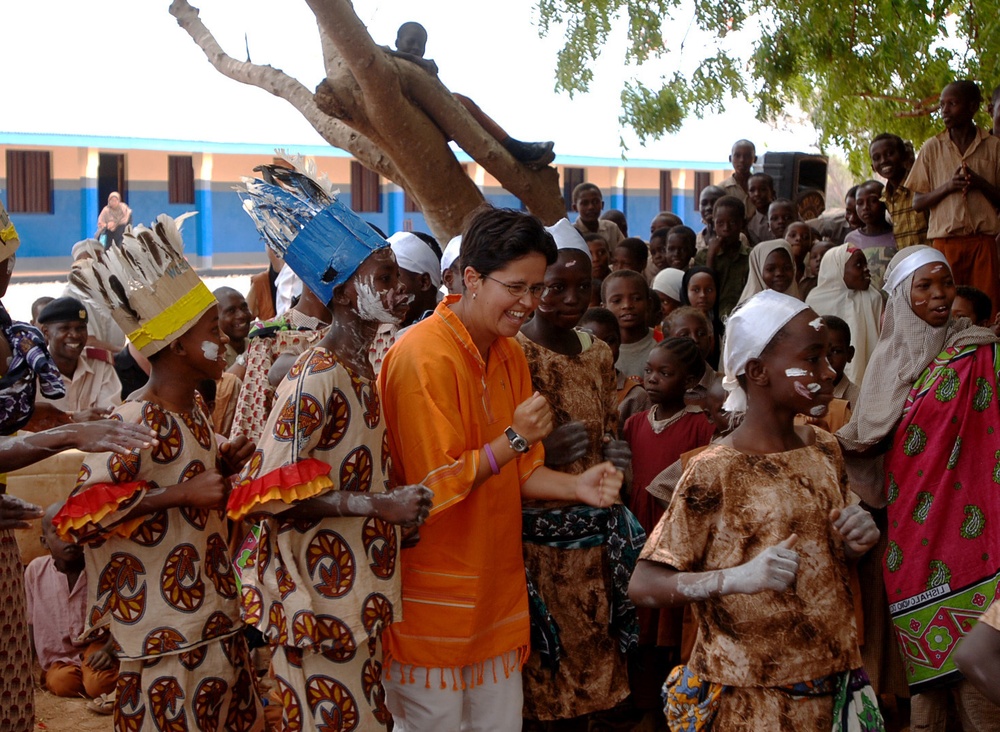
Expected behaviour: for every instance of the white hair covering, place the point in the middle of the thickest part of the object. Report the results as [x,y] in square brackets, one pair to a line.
[751,326]
[86,246]
[860,309]
[451,253]
[415,255]
[668,281]
[906,347]
[758,258]
[568,237]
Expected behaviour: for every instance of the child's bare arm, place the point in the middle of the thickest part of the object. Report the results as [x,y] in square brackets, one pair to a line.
[407,506]
[205,490]
[857,527]
[978,658]
[657,585]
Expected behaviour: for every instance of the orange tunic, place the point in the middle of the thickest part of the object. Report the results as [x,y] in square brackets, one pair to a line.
[464,595]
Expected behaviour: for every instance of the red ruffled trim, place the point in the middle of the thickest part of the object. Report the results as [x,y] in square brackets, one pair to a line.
[92,504]
[289,483]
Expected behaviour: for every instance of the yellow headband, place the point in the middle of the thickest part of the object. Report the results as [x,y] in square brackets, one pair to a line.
[174,318]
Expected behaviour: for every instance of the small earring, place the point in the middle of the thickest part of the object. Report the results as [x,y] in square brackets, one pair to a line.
[474,295]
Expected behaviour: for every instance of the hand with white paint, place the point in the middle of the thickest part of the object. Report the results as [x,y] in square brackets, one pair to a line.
[533,418]
[599,486]
[566,444]
[857,527]
[406,506]
[774,569]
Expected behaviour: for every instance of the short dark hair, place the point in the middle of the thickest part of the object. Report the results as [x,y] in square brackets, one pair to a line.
[982,306]
[583,187]
[871,183]
[764,177]
[601,316]
[624,274]
[742,143]
[411,25]
[969,89]
[716,191]
[675,220]
[892,138]
[594,236]
[852,192]
[686,311]
[637,249]
[781,202]
[732,203]
[687,354]
[685,233]
[837,324]
[495,237]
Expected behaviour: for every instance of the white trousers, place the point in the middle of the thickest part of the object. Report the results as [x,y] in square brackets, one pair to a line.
[421,705]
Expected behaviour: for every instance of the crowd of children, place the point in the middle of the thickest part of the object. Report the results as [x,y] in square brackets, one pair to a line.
[734,479]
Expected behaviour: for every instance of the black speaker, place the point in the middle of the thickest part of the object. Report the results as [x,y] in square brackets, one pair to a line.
[798,176]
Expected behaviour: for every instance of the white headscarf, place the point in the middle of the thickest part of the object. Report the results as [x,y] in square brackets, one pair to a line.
[415,255]
[758,257]
[568,237]
[451,253]
[906,347]
[861,310]
[668,281]
[86,246]
[750,327]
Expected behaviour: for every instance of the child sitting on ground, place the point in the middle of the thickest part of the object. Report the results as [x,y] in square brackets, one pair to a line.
[631,253]
[626,294]
[56,591]
[810,276]
[777,646]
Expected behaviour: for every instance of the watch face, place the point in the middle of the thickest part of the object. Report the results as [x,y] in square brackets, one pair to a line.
[517,443]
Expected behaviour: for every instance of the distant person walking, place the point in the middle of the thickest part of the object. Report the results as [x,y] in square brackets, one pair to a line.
[113,219]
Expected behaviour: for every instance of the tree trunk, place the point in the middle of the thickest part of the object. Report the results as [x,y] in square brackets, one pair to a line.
[393,116]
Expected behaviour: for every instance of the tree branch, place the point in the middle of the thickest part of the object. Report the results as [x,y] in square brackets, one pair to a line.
[285,87]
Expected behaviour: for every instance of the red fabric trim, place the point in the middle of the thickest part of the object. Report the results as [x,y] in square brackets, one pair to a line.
[285,478]
[95,498]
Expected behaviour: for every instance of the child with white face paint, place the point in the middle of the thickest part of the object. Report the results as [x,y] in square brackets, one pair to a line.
[758,537]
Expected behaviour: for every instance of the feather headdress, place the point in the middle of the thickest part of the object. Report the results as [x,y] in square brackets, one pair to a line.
[153,293]
[301,220]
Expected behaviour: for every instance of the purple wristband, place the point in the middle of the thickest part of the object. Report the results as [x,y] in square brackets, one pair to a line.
[492,458]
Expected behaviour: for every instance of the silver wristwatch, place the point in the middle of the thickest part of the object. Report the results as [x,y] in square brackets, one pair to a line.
[517,443]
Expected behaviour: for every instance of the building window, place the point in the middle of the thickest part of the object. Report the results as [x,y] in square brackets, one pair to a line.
[666,190]
[180,178]
[366,189]
[571,178]
[29,181]
[702,180]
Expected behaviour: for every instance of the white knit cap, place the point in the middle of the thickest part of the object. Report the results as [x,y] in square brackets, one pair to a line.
[894,276]
[451,253]
[568,237]
[415,255]
[749,329]
[668,281]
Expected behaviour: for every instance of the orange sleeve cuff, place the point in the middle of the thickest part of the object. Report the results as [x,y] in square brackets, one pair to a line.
[82,513]
[288,484]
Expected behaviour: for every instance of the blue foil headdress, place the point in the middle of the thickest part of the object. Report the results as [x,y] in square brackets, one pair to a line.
[320,238]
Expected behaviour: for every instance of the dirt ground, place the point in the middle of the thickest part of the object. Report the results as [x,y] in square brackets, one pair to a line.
[56,714]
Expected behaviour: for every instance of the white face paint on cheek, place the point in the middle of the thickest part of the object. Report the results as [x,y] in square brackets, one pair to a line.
[817,323]
[370,304]
[802,391]
[814,387]
[818,411]
[793,373]
[211,350]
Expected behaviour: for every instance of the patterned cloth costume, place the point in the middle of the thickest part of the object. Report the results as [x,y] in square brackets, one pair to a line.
[17,403]
[935,391]
[165,579]
[568,571]
[727,509]
[321,591]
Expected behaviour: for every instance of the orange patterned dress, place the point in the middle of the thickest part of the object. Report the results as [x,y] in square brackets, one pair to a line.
[166,580]
[321,591]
